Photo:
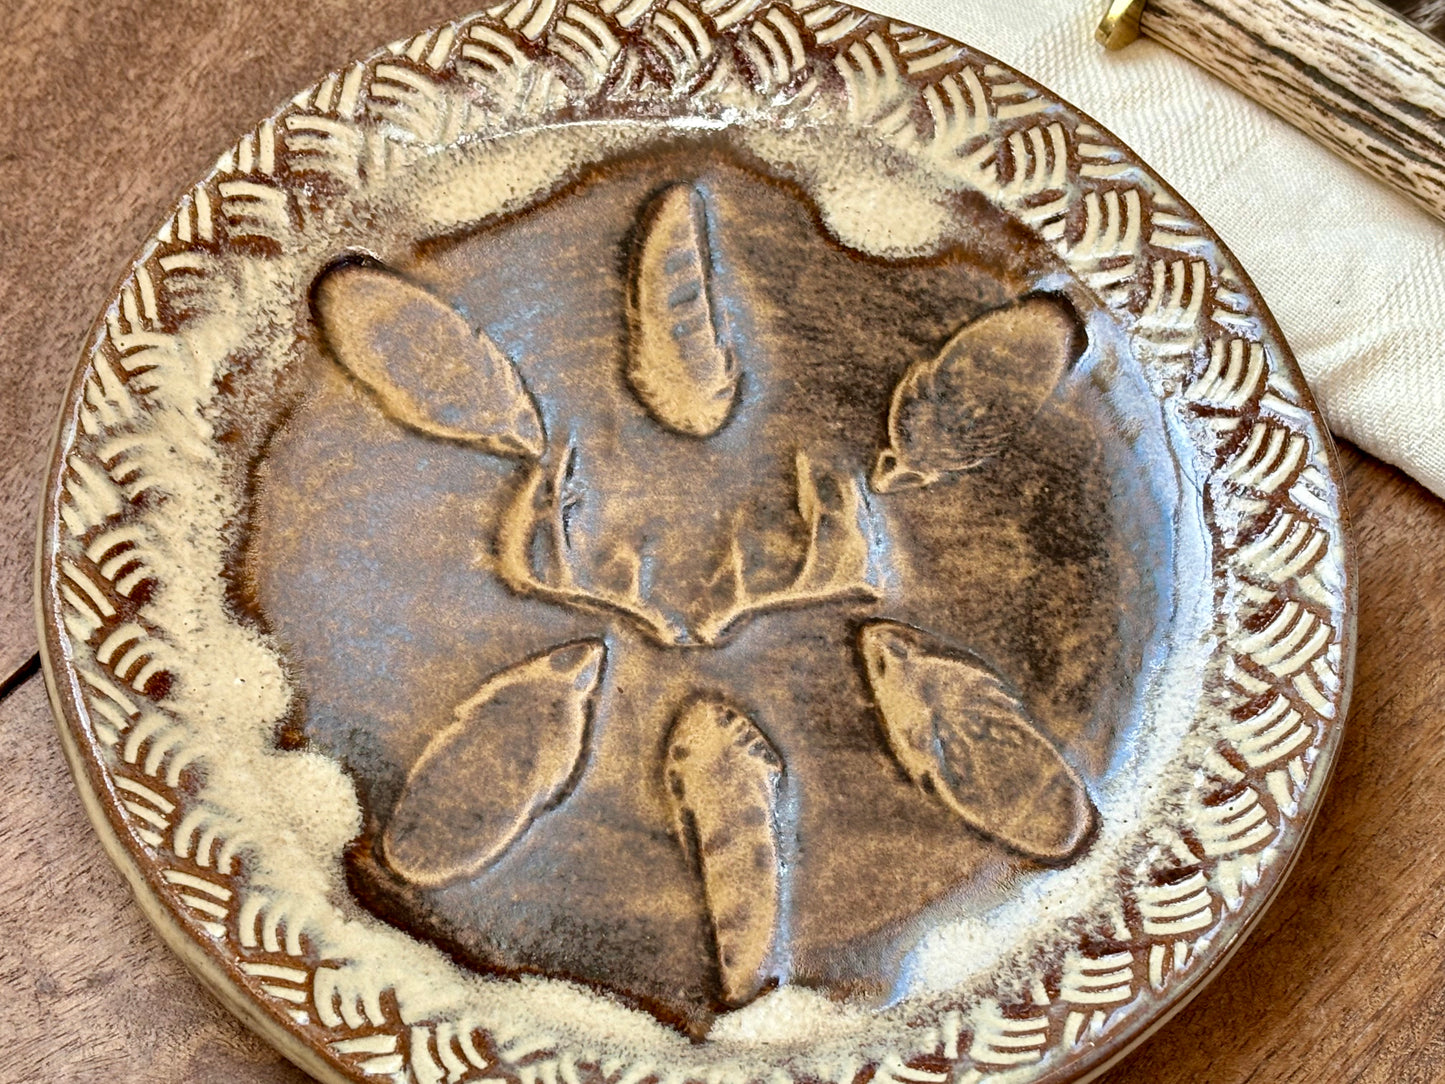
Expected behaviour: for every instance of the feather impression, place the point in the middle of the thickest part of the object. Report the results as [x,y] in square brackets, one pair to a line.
[725,781]
[953,726]
[424,364]
[679,366]
[961,408]
[512,753]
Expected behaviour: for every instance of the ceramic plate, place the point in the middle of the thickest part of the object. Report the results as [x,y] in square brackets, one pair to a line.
[694,541]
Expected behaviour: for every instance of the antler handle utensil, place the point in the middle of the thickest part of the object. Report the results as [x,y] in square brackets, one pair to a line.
[1351,74]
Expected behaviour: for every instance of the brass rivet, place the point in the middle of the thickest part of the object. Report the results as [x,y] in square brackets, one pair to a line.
[1120,25]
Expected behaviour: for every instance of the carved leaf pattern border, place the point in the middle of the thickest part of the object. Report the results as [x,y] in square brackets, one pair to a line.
[1267,481]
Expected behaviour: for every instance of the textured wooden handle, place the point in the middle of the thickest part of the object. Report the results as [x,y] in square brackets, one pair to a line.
[1428,15]
[1362,81]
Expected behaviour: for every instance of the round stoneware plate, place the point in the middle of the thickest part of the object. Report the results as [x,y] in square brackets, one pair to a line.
[694,541]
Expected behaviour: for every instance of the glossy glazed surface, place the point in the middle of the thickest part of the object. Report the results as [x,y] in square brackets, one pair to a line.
[975,538]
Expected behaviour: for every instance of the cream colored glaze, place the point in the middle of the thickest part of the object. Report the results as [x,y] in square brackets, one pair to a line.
[287,816]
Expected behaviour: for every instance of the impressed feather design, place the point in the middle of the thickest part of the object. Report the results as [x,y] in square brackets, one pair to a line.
[953,726]
[680,366]
[965,406]
[418,356]
[725,780]
[477,788]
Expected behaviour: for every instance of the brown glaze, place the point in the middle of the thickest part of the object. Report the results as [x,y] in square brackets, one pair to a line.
[725,542]
[734,558]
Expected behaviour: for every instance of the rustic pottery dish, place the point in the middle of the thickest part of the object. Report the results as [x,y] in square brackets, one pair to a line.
[694,541]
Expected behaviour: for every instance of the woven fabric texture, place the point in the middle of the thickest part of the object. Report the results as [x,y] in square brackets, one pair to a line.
[1354,273]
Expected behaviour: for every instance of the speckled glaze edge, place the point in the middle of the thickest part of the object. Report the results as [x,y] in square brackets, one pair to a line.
[1280,553]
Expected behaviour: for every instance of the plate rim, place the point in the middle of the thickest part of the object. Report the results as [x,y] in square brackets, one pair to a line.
[220,975]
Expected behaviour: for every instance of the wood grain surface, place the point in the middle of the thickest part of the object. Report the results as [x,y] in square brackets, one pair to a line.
[1428,15]
[1366,84]
[110,109]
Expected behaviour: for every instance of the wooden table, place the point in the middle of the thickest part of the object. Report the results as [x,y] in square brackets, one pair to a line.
[1344,981]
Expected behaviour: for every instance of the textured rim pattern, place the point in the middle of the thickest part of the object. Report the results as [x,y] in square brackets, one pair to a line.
[1275,687]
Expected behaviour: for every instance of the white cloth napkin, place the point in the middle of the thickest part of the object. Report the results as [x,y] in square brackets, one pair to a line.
[1354,274]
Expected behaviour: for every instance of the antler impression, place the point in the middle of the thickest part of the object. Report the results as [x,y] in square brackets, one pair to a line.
[840,561]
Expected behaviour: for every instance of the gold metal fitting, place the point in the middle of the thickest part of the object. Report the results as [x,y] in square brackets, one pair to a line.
[1120,25]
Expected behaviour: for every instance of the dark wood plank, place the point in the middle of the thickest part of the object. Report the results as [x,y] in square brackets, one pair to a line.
[1361,81]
